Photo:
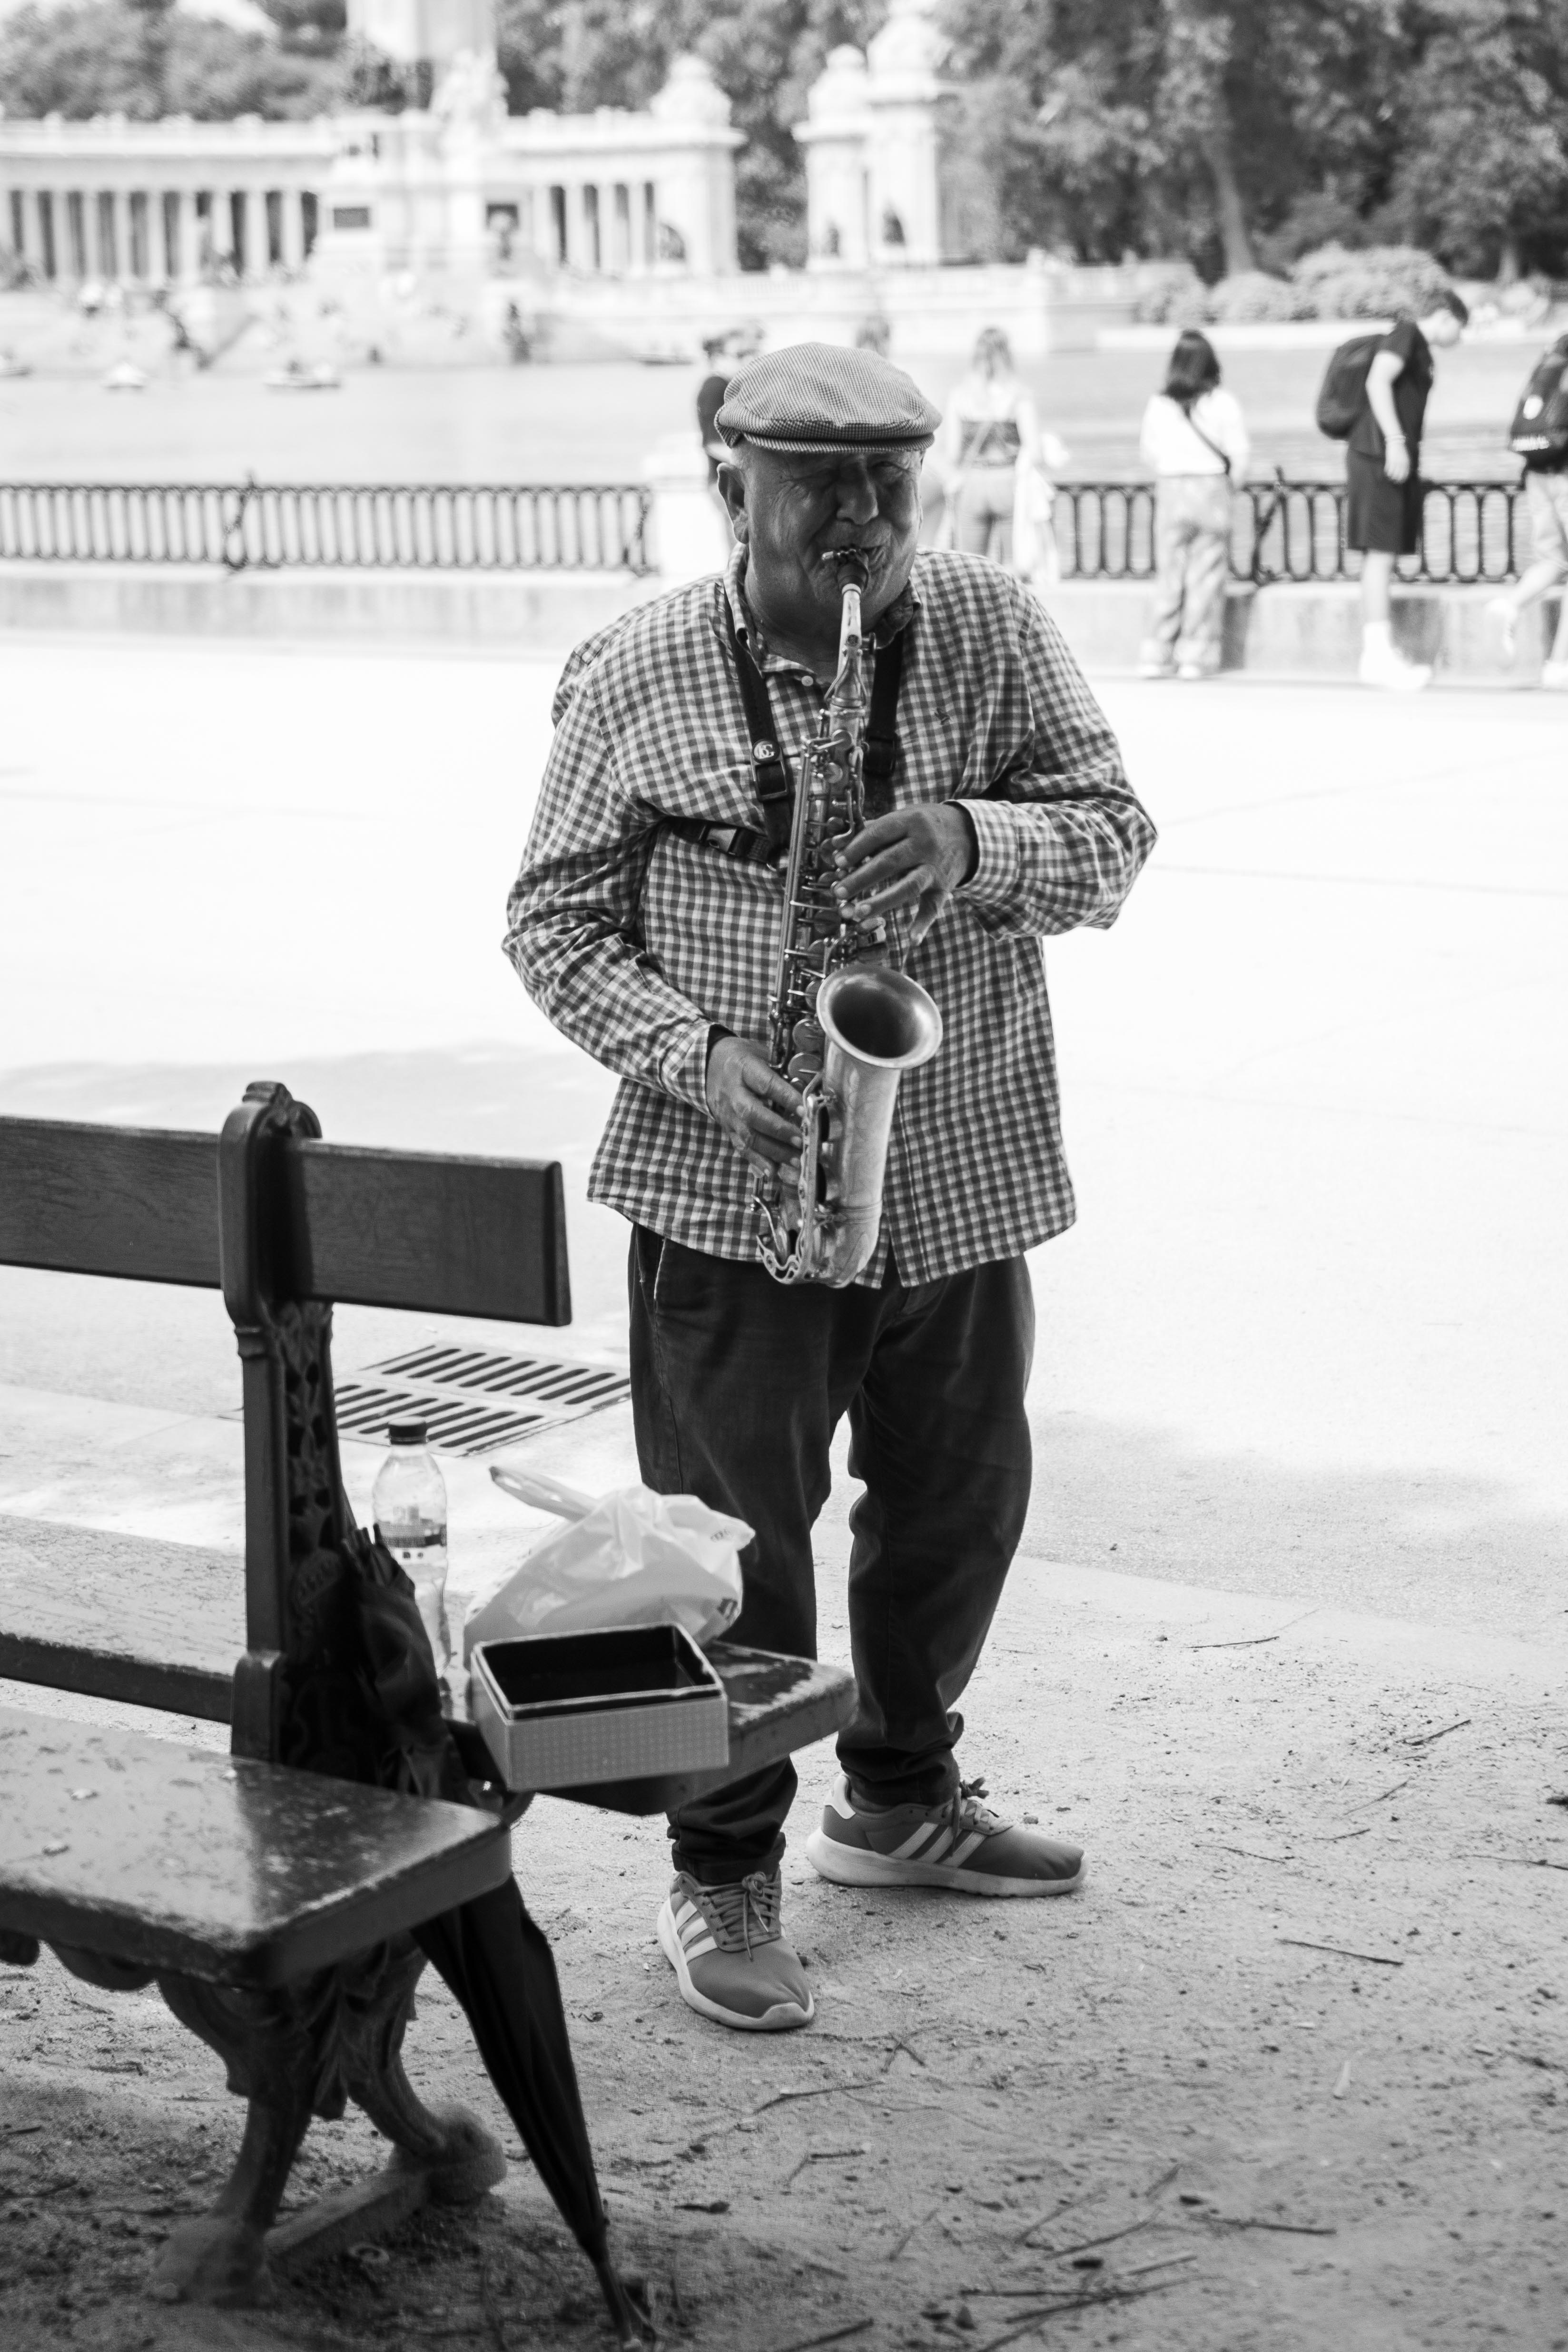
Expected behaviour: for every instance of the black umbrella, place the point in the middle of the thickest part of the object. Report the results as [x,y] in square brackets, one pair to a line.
[375,1715]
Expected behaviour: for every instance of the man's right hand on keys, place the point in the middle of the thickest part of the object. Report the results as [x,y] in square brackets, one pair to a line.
[758,1110]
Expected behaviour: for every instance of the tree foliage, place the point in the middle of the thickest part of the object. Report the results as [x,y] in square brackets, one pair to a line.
[1233,133]
[112,57]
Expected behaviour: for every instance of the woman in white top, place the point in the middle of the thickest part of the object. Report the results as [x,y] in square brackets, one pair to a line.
[992,454]
[1195,441]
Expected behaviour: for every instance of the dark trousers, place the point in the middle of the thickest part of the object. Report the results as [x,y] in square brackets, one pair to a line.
[737,1387]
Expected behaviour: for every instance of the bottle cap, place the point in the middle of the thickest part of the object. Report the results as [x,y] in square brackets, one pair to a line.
[407,1433]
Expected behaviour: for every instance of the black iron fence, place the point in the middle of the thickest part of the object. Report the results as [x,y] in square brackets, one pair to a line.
[401,527]
[1105,530]
[1294,530]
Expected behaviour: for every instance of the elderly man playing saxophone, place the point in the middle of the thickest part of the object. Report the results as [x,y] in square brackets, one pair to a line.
[646,922]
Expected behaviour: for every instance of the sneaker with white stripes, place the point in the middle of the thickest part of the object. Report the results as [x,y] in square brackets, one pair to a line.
[730,1957]
[960,1844]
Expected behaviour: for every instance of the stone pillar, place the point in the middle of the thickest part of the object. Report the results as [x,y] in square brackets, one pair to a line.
[45,247]
[835,137]
[253,223]
[293,229]
[187,234]
[904,94]
[92,235]
[576,227]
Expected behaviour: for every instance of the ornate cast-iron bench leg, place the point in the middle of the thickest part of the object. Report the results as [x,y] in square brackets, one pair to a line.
[303,2049]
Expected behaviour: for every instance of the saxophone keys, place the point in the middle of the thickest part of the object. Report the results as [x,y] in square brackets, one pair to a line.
[803,1067]
[806,1038]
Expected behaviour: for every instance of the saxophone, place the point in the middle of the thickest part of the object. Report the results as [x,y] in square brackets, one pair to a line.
[845,1025]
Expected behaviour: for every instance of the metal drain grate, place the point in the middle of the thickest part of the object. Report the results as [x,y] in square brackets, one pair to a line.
[473,1399]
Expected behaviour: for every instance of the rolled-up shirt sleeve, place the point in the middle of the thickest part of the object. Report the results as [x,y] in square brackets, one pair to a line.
[573,919]
[1060,835]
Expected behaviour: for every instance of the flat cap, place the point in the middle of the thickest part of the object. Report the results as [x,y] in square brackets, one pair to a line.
[817,397]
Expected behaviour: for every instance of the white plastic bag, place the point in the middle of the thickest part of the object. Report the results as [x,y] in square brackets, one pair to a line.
[629,1558]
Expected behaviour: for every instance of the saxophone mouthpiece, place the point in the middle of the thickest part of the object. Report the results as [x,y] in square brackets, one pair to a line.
[854,568]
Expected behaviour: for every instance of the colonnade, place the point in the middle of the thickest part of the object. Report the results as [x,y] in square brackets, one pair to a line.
[157,236]
[609,226]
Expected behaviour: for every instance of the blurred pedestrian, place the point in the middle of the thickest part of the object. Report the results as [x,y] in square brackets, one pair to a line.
[724,353]
[1194,442]
[1539,437]
[994,457]
[874,334]
[1383,475]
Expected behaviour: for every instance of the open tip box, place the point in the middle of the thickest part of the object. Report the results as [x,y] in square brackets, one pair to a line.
[558,1710]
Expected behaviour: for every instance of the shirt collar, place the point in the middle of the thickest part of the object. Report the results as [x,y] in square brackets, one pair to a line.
[897,617]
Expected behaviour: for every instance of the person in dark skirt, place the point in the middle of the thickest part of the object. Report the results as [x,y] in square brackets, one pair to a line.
[1382,511]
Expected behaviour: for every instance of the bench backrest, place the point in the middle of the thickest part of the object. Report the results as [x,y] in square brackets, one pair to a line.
[447,1235]
[286,1225]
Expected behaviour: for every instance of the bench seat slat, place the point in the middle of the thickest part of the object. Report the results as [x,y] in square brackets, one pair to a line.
[215,1866]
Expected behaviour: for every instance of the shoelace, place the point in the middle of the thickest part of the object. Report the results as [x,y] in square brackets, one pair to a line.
[730,1910]
[965,1812]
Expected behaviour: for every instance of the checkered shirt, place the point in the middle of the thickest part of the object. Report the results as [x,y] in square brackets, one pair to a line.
[634,941]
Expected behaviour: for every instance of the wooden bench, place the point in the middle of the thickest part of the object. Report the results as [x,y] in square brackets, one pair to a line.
[272,1904]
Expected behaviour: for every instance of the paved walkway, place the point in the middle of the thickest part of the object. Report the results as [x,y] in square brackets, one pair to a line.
[1306,1338]
[1301,1504]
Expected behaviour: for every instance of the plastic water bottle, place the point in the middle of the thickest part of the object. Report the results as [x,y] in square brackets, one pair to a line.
[409,1505]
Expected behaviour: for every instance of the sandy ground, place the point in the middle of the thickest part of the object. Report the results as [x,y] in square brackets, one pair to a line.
[1285,1645]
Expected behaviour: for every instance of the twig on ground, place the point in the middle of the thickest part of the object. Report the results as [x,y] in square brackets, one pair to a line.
[1520,1860]
[1341,1951]
[1361,1804]
[1089,2302]
[1252,1853]
[1082,2245]
[1066,2205]
[1338,1837]
[824,2156]
[833,2335]
[1283,2229]
[1164,2180]
[1425,1739]
[18,2131]
[815,2091]
[1165,2263]
[1255,1641]
[910,2233]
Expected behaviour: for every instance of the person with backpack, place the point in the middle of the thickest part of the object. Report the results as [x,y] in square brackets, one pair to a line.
[1374,399]
[1195,440]
[1539,436]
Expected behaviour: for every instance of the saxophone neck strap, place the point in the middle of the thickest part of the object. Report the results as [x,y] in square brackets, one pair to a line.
[881,753]
[768,767]
[769,772]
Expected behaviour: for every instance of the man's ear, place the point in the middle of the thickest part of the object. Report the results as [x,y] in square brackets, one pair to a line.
[732,490]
